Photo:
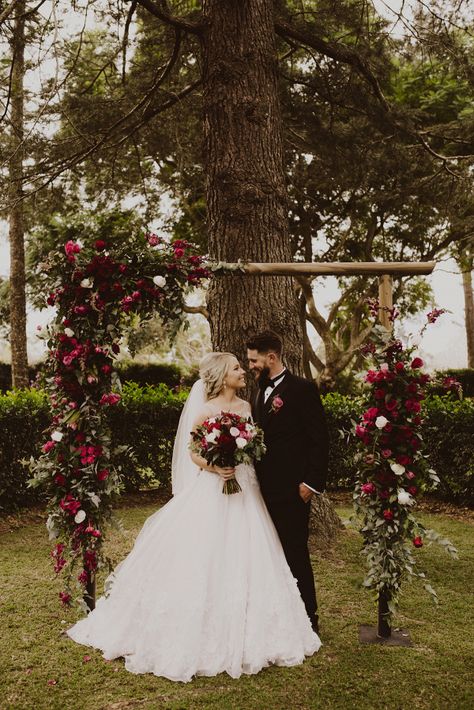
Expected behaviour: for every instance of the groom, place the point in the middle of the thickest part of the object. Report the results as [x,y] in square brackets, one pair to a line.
[289,410]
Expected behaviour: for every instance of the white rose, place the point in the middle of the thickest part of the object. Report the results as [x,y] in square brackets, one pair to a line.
[384,367]
[159,281]
[80,516]
[404,498]
[397,468]
[68,332]
[233,431]
[56,436]
[241,442]
[86,283]
[211,437]
[380,422]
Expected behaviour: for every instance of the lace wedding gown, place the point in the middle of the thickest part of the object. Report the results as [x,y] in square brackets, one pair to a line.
[205,589]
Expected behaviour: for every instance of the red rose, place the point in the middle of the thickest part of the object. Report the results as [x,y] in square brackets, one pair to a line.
[59,479]
[386,453]
[391,404]
[49,446]
[399,366]
[103,474]
[379,394]
[368,489]
[179,253]
[370,414]
[418,541]
[66,600]
[388,514]
[413,490]
[416,363]
[100,245]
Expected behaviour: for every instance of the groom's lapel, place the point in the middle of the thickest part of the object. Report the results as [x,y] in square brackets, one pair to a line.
[278,390]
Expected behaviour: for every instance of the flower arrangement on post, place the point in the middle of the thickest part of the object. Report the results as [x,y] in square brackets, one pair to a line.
[99,287]
[393,469]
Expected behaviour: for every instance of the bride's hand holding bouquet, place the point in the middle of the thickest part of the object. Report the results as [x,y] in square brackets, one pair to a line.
[226,440]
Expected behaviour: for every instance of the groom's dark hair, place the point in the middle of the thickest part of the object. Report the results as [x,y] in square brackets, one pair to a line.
[266,342]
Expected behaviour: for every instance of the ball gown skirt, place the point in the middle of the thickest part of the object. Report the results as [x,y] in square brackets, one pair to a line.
[205,589]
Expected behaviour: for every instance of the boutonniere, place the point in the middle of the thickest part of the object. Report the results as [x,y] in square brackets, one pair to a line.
[277,404]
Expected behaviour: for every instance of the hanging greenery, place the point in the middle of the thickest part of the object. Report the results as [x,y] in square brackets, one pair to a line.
[393,468]
[101,286]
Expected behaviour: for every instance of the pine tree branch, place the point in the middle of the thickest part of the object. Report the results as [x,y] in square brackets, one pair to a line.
[163,13]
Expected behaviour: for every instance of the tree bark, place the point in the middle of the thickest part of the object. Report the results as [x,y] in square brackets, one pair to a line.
[468,308]
[16,218]
[247,208]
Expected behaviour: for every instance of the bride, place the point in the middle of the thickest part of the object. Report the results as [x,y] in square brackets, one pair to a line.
[206,587]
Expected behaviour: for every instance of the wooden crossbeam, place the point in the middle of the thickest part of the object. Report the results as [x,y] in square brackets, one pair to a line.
[340,268]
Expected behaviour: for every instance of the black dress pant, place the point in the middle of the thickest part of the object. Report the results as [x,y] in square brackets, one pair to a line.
[291,519]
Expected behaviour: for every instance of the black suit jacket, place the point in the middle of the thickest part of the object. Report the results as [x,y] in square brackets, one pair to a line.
[296,437]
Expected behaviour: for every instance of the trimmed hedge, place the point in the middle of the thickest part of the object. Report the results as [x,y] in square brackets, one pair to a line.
[146,419]
[129,371]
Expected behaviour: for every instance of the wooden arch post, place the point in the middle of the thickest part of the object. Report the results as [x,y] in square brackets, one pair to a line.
[382,633]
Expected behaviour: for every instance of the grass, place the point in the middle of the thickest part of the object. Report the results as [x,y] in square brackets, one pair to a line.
[435,673]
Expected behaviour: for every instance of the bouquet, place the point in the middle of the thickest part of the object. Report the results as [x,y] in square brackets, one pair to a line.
[227,440]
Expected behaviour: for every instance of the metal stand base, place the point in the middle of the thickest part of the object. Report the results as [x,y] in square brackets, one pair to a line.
[398,637]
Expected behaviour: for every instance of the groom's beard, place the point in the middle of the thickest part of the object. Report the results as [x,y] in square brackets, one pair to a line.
[263,374]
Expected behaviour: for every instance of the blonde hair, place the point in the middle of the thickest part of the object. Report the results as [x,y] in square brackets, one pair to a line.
[212,370]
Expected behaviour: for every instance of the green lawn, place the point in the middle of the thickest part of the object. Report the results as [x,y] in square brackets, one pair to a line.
[436,673]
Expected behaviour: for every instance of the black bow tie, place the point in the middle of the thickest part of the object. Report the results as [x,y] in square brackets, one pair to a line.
[265,382]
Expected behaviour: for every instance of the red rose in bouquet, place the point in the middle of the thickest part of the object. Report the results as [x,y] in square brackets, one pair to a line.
[227,440]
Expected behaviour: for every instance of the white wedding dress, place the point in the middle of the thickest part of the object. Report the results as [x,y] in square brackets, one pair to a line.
[205,589]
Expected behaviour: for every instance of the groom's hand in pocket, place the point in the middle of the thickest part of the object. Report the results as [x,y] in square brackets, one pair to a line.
[305,493]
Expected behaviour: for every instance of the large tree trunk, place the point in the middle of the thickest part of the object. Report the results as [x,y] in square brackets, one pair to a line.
[246,193]
[468,308]
[16,220]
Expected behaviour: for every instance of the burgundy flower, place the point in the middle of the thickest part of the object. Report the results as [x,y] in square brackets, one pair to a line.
[153,240]
[399,366]
[413,490]
[388,514]
[386,453]
[370,414]
[103,474]
[59,479]
[379,394]
[100,245]
[66,600]
[416,363]
[368,489]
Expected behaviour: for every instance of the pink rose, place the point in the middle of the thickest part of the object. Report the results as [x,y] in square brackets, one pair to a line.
[386,453]
[277,404]
[153,240]
[49,446]
[410,475]
[368,489]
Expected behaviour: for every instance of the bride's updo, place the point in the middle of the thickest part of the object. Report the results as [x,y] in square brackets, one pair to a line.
[212,371]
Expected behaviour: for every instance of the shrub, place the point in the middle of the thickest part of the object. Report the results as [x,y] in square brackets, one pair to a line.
[147,417]
[465,376]
[24,415]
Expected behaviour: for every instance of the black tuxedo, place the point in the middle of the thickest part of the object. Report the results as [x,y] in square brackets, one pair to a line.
[297,452]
